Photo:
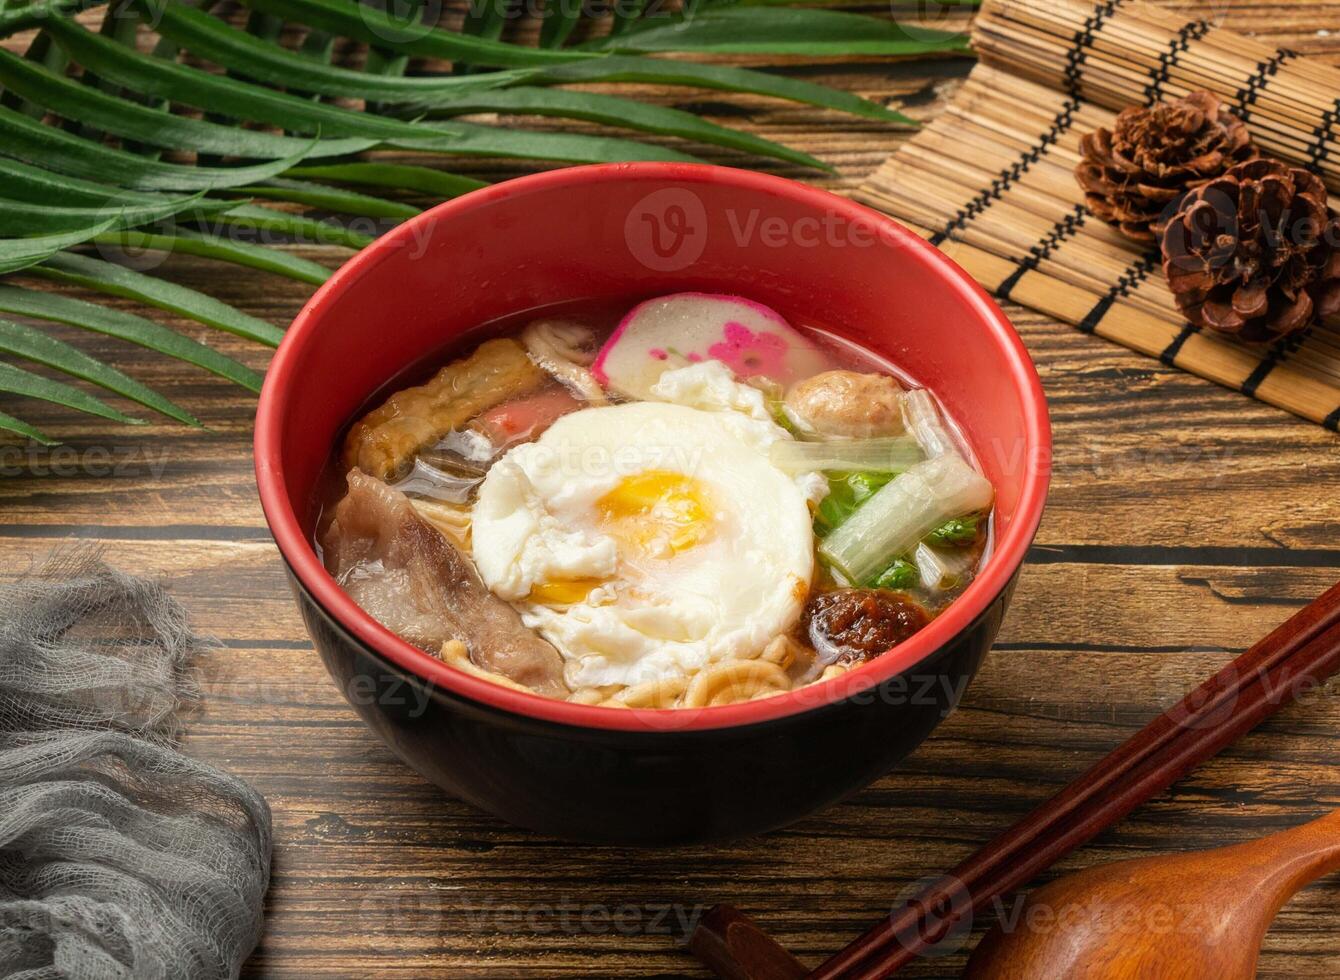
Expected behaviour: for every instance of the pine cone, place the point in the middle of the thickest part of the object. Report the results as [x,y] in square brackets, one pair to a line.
[1135,176]
[1255,253]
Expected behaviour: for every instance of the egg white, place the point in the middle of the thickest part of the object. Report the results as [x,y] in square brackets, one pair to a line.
[659,613]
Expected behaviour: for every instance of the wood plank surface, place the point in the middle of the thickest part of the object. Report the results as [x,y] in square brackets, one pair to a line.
[1185,521]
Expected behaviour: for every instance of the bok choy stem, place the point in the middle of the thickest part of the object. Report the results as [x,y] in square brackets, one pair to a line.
[900,514]
[880,455]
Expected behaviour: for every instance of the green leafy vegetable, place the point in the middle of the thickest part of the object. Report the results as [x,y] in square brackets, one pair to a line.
[900,576]
[846,492]
[895,519]
[958,532]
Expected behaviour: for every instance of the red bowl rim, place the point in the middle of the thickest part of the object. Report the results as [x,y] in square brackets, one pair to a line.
[285,524]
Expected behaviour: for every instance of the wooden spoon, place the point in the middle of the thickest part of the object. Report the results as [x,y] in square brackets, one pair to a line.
[1196,915]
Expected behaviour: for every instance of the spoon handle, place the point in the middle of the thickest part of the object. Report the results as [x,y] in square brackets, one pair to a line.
[1294,858]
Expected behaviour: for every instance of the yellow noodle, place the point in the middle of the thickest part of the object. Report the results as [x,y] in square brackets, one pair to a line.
[737,680]
[586,695]
[785,652]
[652,694]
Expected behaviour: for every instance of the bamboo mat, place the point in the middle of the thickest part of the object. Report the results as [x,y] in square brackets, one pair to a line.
[990,180]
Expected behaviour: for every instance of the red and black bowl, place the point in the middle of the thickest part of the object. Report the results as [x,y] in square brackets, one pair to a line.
[632,231]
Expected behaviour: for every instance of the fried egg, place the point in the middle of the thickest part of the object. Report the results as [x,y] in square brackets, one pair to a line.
[648,540]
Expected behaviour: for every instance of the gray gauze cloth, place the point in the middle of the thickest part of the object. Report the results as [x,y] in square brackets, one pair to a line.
[119,856]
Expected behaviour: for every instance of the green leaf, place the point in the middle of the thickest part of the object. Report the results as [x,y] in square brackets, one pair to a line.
[626,14]
[560,17]
[782,30]
[244,100]
[41,186]
[398,176]
[613,110]
[959,532]
[17,381]
[21,17]
[846,493]
[376,27]
[329,199]
[208,37]
[111,114]
[297,226]
[20,253]
[486,18]
[107,277]
[237,50]
[220,93]
[664,71]
[50,146]
[125,326]
[23,341]
[467,139]
[11,424]
[211,246]
[19,218]
[899,576]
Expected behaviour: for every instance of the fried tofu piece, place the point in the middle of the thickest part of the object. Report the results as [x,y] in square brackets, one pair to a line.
[385,441]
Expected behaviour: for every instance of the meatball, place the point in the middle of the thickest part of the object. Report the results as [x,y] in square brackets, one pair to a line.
[846,403]
[851,626]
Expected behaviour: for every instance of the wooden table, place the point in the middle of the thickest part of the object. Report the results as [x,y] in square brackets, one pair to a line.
[1185,521]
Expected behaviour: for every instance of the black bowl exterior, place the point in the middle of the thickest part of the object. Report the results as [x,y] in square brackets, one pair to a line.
[656,787]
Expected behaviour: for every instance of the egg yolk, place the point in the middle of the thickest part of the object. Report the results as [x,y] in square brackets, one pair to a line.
[564,592]
[654,514]
[657,513]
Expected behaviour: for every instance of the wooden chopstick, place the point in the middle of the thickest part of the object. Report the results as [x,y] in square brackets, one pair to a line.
[1300,653]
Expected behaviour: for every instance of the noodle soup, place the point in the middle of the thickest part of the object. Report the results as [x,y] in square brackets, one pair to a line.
[686,503]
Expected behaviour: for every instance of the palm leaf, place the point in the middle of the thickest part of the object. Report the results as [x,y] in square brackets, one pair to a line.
[329,199]
[31,141]
[469,139]
[210,38]
[782,30]
[25,342]
[187,242]
[25,218]
[107,277]
[117,116]
[125,326]
[257,217]
[379,28]
[20,253]
[398,176]
[17,381]
[612,110]
[11,424]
